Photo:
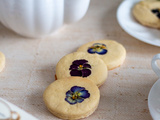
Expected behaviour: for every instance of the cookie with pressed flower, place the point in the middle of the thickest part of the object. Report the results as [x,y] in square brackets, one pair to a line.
[147,13]
[72,98]
[111,52]
[2,61]
[82,65]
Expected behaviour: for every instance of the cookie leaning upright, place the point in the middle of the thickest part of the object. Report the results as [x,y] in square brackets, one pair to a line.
[72,98]
[111,52]
[83,65]
[147,13]
[2,61]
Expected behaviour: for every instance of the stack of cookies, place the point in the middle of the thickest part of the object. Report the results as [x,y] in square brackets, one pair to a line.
[75,93]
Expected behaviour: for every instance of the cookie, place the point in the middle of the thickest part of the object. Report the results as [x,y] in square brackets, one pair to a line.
[72,98]
[148,13]
[83,65]
[2,61]
[111,52]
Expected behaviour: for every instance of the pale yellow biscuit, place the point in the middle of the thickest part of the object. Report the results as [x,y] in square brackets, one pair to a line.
[2,61]
[114,53]
[72,98]
[142,12]
[74,65]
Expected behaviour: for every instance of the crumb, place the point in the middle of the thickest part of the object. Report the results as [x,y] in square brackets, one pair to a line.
[116,73]
[146,99]
[139,94]
[145,111]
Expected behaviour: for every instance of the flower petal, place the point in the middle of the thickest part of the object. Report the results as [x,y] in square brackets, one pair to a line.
[82,61]
[158,15]
[86,72]
[155,10]
[79,100]
[91,50]
[97,44]
[84,94]
[77,89]
[79,62]
[86,66]
[69,93]
[73,67]
[76,62]
[70,100]
[102,52]
[76,72]
[103,45]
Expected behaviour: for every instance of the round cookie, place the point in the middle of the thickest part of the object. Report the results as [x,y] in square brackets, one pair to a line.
[72,98]
[148,13]
[111,52]
[2,61]
[83,65]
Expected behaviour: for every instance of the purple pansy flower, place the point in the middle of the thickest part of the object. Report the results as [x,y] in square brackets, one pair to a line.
[80,68]
[76,95]
[156,12]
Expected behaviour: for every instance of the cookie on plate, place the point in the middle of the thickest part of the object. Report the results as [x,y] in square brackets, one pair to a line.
[83,65]
[72,98]
[2,61]
[111,52]
[148,13]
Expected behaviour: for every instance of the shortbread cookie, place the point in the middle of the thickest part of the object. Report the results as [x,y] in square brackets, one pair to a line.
[111,52]
[83,65]
[72,98]
[148,13]
[2,61]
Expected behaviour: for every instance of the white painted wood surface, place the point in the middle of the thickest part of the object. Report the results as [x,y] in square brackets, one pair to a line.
[30,66]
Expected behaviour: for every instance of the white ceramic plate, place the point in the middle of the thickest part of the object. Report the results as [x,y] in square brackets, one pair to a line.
[132,27]
[24,115]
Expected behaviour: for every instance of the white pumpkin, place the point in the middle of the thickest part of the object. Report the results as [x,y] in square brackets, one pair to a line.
[37,18]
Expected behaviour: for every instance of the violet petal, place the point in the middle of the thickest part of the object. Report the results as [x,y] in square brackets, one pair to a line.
[73,67]
[79,62]
[86,66]
[77,89]
[76,73]
[86,72]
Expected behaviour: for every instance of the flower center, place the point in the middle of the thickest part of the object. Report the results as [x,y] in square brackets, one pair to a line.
[75,96]
[80,67]
[98,47]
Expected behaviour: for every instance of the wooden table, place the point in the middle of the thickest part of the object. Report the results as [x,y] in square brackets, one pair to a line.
[30,66]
